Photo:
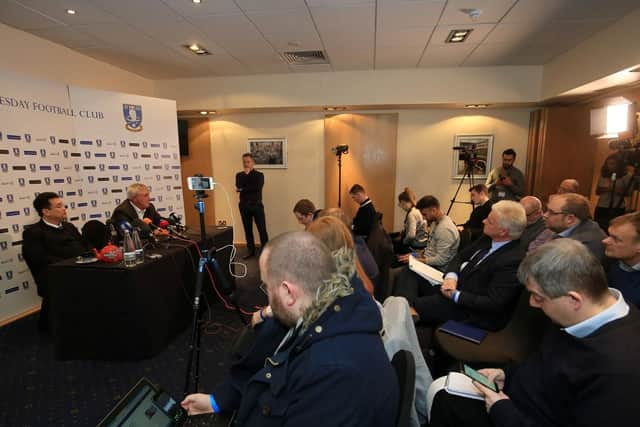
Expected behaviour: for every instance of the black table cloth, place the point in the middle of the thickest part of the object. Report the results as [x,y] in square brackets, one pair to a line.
[109,312]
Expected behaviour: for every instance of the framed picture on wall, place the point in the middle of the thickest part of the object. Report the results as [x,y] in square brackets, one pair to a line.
[268,153]
[472,152]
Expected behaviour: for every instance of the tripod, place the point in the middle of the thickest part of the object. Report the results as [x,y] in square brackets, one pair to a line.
[228,290]
[468,173]
[339,157]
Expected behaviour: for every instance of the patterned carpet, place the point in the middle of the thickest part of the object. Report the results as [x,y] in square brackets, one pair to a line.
[37,390]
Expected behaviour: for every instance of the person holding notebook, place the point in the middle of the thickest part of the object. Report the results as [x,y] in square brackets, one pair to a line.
[586,371]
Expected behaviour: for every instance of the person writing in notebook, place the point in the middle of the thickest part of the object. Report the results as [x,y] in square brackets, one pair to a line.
[586,371]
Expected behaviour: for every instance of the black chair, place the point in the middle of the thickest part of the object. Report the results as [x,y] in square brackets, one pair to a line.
[95,233]
[405,367]
[381,248]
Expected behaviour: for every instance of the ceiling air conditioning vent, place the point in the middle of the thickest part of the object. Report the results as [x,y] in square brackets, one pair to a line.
[305,57]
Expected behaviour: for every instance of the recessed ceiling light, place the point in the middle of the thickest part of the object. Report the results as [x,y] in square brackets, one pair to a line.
[204,113]
[196,1]
[197,49]
[330,108]
[458,36]
[212,112]
[476,105]
[71,12]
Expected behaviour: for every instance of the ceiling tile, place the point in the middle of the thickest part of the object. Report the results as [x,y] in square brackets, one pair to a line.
[446,55]
[492,11]
[315,4]
[312,68]
[397,15]
[398,57]
[68,37]
[139,15]
[404,37]
[287,30]
[251,6]
[215,7]
[86,13]
[25,19]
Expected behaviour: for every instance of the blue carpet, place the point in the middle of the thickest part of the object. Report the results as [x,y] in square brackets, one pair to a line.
[37,390]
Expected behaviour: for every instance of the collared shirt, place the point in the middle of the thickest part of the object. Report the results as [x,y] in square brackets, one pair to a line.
[366,202]
[494,247]
[568,231]
[617,310]
[58,227]
[628,268]
[140,212]
[290,335]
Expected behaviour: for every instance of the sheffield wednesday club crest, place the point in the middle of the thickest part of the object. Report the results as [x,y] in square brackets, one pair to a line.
[132,117]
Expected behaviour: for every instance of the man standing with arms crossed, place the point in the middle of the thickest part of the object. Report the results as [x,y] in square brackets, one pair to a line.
[249,183]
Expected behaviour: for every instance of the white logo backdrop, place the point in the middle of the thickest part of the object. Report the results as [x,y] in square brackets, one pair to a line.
[76,142]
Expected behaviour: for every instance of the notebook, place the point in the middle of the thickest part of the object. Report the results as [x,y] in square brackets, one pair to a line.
[425,271]
[460,385]
[464,331]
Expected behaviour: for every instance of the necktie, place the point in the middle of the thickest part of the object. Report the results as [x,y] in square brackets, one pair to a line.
[479,256]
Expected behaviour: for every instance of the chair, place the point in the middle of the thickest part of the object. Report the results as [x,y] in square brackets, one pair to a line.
[95,233]
[520,338]
[381,248]
[405,368]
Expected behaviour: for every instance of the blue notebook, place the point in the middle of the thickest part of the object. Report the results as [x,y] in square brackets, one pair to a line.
[464,331]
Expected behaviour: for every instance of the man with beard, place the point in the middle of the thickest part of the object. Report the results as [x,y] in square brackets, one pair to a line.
[329,369]
[506,182]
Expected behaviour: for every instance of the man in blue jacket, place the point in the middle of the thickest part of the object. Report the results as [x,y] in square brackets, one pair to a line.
[329,368]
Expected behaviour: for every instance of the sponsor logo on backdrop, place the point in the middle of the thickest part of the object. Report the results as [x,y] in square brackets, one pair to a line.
[72,205]
[144,144]
[32,167]
[47,180]
[76,167]
[123,143]
[68,180]
[16,152]
[90,178]
[118,201]
[10,198]
[98,142]
[15,227]
[135,155]
[25,284]
[3,245]
[21,182]
[56,167]
[4,167]
[125,167]
[43,152]
[83,216]
[73,142]
[101,167]
[52,140]
[27,137]
[115,178]
[132,117]
[107,214]
[112,154]
[156,156]
[105,191]
[87,154]
[94,203]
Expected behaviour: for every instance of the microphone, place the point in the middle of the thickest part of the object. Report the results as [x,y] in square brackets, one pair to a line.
[163,223]
[613,177]
[124,225]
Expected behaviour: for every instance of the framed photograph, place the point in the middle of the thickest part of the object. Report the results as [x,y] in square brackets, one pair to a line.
[268,153]
[472,154]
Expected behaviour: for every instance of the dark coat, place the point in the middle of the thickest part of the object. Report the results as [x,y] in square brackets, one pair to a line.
[126,212]
[489,291]
[334,374]
[43,245]
[590,234]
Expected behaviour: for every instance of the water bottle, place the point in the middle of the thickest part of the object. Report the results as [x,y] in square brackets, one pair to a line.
[129,250]
[138,245]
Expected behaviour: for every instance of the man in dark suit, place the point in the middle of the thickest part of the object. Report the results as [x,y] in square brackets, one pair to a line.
[471,230]
[366,215]
[249,183]
[50,240]
[137,207]
[535,222]
[568,215]
[481,285]
[585,372]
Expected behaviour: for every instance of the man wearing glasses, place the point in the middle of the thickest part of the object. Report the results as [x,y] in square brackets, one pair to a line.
[49,240]
[568,216]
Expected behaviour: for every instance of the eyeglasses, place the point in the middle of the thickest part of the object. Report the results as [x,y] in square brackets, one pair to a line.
[263,288]
[552,212]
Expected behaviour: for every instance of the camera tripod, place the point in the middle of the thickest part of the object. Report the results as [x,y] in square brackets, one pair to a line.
[468,174]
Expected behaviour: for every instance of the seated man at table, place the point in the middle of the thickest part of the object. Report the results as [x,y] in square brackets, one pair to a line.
[586,371]
[480,284]
[136,208]
[50,240]
[330,369]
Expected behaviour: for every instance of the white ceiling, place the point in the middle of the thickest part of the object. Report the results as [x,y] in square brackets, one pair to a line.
[249,36]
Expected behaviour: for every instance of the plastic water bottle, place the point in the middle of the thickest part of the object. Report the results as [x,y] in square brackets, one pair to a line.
[137,243]
[129,250]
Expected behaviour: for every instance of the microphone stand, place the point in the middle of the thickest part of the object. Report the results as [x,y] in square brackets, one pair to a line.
[193,372]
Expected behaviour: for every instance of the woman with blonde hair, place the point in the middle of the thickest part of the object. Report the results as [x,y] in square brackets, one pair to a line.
[338,239]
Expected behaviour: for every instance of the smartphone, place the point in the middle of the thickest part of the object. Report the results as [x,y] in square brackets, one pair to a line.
[200,183]
[477,376]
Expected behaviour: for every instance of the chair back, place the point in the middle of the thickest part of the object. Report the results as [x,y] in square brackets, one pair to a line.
[405,368]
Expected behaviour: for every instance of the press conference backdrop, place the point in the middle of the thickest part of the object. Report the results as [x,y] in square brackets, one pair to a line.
[86,145]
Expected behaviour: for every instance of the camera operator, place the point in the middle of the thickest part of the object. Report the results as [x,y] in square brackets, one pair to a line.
[506,182]
[614,185]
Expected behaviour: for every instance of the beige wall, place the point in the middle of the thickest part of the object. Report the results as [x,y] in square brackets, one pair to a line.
[28,55]
[304,177]
[379,87]
[424,159]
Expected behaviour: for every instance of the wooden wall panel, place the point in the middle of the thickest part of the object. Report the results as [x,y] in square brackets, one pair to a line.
[198,161]
[371,162]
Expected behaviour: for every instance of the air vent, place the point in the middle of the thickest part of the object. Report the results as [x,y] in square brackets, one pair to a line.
[305,57]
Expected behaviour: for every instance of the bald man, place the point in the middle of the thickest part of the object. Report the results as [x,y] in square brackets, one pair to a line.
[535,222]
[569,185]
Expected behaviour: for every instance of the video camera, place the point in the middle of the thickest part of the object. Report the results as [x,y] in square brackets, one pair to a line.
[340,149]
